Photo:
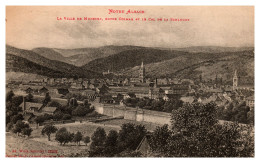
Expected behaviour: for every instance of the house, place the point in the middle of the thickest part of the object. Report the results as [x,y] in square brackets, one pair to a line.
[58,92]
[180,89]
[58,80]
[43,90]
[28,118]
[187,82]
[129,95]
[80,80]
[166,90]
[126,81]
[37,109]
[156,93]
[188,99]
[86,84]
[48,110]
[168,97]
[29,90]
[106,98]
[164,81]
[102,89]
[45,80]
[64,80]
[77,85]
[242,82]
[119,97]
[62,91]
[70,80]
[140,92]
[90,94]
[51,81]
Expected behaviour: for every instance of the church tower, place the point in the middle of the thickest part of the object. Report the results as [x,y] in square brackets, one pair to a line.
[142,73]
[235,80]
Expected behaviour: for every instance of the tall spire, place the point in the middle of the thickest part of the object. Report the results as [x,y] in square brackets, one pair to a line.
[235,80]
[142,73]
[235,74]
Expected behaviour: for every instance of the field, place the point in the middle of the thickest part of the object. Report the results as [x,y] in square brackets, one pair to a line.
[119,122]
[38,145]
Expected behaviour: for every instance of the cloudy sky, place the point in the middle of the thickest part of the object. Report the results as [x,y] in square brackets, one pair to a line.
[30,27]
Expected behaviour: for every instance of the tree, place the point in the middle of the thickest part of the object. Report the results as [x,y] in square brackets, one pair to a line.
[240,113]
[141,103]
[197,133]
[47,116]
[130,136]
[17,100]
[63,136]
[86,140]
[193,117]
[159,138]
[39,119]
[78,137]
[66,117]
[97,145]
[19,126]
[48,130]
[15,118]
[57,116]
[251,116]
[98,137]
[172,104]
[111,138]
[82,111]
[9,126]
[55,104]
[9,96]
[27,131]
[111,144]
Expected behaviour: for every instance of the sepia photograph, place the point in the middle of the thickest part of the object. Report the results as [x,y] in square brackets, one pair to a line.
[130,81]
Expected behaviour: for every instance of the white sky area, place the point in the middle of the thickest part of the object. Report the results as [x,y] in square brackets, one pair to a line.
[31,27]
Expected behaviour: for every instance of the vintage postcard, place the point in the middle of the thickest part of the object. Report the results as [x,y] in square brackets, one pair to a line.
[130,81]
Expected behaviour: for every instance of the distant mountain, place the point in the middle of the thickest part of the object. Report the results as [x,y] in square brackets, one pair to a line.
[51,54]
[213,49]
[25,60]
[82,56]
[159,62]
[209,65]
[130,58]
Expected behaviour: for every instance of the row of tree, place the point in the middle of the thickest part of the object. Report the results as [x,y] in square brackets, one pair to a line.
[195,132]
[63,136]
[236,112]
[157,105]
[115,143]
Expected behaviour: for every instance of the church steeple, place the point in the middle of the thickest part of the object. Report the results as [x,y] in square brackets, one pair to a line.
[142,73]
[235,80]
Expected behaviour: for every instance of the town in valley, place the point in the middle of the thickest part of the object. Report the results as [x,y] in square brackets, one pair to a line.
[161,81]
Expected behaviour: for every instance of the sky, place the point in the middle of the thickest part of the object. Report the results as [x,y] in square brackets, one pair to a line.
[28,27]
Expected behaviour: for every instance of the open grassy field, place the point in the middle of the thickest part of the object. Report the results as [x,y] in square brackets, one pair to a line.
[38,145]
[119,122]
